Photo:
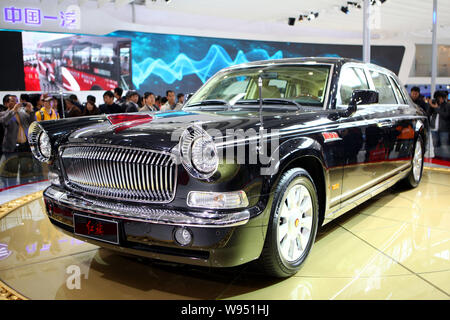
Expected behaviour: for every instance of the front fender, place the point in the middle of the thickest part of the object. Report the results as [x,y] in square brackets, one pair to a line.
[292,150]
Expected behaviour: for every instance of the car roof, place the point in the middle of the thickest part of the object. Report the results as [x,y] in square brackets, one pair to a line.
[329,60]
[308,60]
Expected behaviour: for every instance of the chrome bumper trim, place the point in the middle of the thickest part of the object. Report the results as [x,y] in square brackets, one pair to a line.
[145,214]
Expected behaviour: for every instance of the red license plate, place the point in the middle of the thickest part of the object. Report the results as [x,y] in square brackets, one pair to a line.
[96,228]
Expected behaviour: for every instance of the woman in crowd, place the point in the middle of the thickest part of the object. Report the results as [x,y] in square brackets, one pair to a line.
[91,108]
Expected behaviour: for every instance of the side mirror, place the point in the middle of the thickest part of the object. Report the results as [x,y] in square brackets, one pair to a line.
[360,97]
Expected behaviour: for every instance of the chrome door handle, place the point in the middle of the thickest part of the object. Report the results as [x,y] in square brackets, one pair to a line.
[385,123]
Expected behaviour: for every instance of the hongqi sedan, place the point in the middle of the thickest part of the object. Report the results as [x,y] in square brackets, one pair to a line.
[259,158]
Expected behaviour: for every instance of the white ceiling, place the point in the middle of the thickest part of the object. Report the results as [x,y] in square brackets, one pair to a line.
[392,18]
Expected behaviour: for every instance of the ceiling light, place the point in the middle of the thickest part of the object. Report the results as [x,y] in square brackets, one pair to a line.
[291,21]
[313,15]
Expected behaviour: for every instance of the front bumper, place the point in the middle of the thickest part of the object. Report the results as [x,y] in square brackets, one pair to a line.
[219,239]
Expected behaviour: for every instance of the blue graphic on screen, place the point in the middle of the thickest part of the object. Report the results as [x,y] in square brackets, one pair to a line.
[183,63]
[215,59]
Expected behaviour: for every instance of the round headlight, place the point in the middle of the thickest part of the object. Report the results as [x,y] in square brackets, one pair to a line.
[198,153]
[44,145]
[39,142]
[204,155]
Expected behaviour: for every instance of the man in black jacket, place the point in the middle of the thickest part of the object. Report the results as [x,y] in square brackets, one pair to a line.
[440,119]
[132,102]
[418,99]
[109,106]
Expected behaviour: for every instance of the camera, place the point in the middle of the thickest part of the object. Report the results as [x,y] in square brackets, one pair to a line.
[24,104]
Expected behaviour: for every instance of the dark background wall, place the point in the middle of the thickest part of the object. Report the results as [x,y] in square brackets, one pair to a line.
[183,63]
[11,61]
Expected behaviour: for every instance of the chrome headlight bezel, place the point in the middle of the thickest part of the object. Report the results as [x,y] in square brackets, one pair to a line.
[192,136]
[39,142]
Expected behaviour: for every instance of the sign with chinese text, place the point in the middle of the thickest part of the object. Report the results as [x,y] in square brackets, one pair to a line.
[70,18]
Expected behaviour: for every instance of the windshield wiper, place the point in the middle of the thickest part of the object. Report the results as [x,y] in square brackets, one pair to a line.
[272,101]
[209,102]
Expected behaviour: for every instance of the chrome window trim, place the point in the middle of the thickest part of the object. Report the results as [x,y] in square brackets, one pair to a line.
[395,83]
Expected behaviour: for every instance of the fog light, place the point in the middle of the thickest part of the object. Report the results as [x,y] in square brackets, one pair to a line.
[183,236]
[53,177]
[217,200]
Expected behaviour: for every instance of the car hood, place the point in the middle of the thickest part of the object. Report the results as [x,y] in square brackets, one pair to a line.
[162,132]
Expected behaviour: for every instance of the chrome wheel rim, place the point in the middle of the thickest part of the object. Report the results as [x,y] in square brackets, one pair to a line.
[295,222]
[417,161]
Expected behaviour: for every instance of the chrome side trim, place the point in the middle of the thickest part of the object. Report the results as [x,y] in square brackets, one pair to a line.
[364,196]
[373,183]
[142,213]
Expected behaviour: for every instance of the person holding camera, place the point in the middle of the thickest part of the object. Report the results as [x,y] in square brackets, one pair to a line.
[440,119]
[16,158]
[16,121]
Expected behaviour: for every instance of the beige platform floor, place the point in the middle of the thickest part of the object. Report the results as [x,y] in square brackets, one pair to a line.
[396,246]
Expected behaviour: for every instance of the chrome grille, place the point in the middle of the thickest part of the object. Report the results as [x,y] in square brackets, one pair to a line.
[120,172]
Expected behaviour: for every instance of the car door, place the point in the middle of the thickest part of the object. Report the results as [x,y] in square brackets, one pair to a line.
[398,131]
[402,137]
[364,136]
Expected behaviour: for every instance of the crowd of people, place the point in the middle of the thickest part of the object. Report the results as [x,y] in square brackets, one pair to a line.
[115,102]
[16,114]
[437,110]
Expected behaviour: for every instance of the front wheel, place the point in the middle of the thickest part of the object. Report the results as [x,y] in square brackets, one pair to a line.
[415,175]
[293,224]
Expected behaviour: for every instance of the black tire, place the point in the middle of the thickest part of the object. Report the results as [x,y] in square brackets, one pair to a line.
[272,259]
[413,179]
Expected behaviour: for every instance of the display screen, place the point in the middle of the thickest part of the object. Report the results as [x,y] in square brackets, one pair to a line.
[160,62]
[184,63]
[70,62]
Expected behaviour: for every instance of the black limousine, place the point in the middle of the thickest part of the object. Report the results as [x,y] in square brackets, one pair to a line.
[259,158]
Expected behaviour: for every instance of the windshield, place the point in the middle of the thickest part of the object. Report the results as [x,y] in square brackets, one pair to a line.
[299,84]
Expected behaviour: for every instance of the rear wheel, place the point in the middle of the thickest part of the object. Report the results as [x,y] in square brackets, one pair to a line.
[415,175]
[292,226]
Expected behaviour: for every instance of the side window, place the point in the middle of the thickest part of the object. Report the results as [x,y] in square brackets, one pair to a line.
[384,88]
[349,80]
[398,92]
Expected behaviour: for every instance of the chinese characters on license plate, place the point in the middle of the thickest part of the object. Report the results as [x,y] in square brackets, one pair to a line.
[96,228]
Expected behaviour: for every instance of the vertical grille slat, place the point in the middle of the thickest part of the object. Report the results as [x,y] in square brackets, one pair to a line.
[120,172]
